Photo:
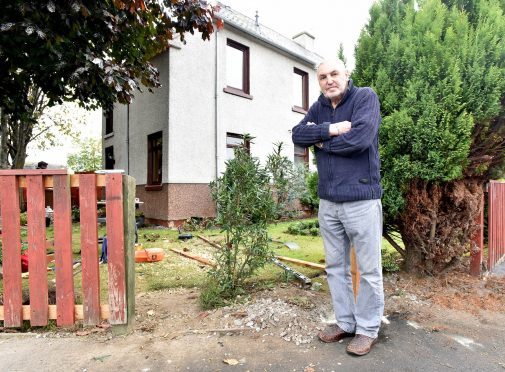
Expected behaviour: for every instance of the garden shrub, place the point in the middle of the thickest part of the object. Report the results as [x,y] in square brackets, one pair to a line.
[304,228]
[244,208]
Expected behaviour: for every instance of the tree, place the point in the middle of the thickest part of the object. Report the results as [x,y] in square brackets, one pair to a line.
[92,52]
[48,125]
[439,71]
[89,156]
[244,207]
[341,54]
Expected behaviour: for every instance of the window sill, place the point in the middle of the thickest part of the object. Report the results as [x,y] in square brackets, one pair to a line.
[237,92]
[153,187]
[299,110]
[108,135]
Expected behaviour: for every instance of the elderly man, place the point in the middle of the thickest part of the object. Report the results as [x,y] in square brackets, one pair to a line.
[343,126]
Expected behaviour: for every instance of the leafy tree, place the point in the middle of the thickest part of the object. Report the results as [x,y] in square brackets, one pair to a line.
[48,126]
[244,208]
[88,158]
[341,54]
[439,69]
[93,52]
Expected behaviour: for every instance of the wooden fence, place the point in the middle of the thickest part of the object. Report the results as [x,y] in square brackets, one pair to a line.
[496,229]
[119,202]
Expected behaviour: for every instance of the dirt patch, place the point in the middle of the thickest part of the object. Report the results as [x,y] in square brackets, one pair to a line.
[456,290]
[292,314]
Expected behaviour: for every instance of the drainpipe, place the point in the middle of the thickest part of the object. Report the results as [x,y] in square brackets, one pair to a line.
[128,139]
[215,107]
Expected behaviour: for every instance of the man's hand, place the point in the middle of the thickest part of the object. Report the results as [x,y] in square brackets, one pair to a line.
[337,129]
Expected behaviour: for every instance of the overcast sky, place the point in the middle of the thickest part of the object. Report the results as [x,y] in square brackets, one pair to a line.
[331,22]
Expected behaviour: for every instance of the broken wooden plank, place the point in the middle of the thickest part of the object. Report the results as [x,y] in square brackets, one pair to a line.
[312,265]
[209,242]
[194,257]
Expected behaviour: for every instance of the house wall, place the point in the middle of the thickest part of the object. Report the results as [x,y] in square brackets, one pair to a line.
[268,116]
[191,108]
[192,115]
[148,113]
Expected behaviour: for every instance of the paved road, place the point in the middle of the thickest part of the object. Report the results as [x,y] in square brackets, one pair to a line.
[402,347]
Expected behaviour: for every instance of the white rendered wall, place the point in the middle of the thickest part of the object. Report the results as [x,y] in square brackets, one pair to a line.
[148,113]
[184,108]
[191,112]
[268,116]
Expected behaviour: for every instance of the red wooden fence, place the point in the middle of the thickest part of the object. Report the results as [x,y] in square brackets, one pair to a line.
[120,220]
[496,223]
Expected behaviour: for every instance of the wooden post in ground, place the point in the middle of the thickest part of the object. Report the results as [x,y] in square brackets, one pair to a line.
[354,273]
[129,253]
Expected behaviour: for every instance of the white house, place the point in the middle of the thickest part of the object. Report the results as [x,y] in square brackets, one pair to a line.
[246,79]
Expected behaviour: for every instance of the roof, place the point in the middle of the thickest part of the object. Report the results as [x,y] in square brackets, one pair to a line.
[265,34]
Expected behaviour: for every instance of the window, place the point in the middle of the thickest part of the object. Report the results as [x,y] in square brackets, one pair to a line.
[237,69]
[300,91]
[232,142]
[301,155]
[109,122]
[109,157]
[154,158]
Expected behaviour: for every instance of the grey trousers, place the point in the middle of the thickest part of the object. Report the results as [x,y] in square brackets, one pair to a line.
[357,223]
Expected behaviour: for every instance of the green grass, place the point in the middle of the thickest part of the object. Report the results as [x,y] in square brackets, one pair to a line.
[177,271]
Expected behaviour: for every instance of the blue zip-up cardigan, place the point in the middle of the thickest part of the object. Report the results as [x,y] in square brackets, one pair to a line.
[348,164]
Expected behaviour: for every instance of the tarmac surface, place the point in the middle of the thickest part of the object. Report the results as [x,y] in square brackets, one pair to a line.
[403,346]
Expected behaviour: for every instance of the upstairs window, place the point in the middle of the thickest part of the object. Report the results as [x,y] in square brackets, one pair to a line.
[109,122]
[232,142]
[237,69]
[300,91]
[301,156]
[154,158]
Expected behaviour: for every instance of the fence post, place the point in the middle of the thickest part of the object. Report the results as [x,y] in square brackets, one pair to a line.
[478,242]
[129,253]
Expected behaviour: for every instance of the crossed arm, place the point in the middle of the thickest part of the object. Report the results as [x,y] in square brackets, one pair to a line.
[342,138]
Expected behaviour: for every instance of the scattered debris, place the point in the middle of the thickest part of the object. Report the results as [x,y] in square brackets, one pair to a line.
[312,265]
[291,245]
[305,280]
[291,322]
[231,362]
[194,257]
[151,237]
[101,358]
[183,235]
[209,242]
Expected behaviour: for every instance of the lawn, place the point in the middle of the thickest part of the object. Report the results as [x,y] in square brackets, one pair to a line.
[177,271]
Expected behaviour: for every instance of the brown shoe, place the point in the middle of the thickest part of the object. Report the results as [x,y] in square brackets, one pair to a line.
[333,333]
[360,345]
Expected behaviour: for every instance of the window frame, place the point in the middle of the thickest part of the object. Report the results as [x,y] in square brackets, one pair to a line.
[109,123]
[106,151]
[305,91]
[304,157]
[240,136]
[246,87]
[151,149]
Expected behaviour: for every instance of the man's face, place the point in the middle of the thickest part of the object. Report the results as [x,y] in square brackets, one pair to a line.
[333,78]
